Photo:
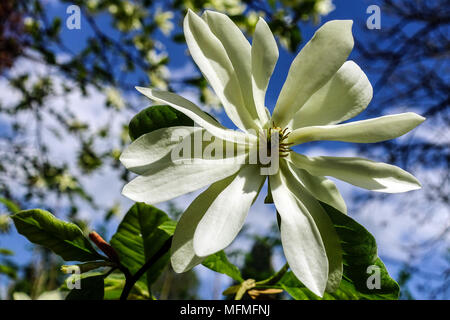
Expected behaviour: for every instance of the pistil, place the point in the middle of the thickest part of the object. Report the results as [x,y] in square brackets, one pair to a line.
[283,146]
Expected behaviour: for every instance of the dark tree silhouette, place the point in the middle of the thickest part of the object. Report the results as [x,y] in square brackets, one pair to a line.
[409,57]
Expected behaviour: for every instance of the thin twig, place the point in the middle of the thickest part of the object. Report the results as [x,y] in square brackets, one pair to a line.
[276,277]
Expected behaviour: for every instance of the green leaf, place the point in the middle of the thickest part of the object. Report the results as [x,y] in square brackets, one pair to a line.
[113,286]
[142,232]
[168,226]
[63,238]
[9,271]
[298,291]
[92,288]
[10,205]
[156,117]
[115,283]
[6,252]
[219,262]
[359,254]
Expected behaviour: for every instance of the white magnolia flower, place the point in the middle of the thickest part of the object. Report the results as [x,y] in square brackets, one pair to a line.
[322,89]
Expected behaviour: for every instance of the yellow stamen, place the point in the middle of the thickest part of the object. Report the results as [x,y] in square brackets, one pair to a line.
[284,147]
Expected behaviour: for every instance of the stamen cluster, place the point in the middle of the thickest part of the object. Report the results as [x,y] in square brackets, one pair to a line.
[283,146]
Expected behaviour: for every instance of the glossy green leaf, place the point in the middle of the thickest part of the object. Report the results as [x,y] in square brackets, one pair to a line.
[360,253]
[361,262]
[346,291]
[139,237]
[168,226]
[156,117]
[91,288]
[219,262]
[63,238]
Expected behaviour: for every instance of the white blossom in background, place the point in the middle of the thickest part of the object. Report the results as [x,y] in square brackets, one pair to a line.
[159,75]
[114,98]
[230,7]
[324,7]
[321,90]
[163,20]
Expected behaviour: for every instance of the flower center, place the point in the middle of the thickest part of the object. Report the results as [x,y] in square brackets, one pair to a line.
[283,146]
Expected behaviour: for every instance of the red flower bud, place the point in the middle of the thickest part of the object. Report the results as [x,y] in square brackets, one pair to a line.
[104,246]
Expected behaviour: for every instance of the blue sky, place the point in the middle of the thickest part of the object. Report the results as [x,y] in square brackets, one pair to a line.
[345,9]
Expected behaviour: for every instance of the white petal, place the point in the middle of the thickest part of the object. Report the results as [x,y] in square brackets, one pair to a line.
[212,59]
[264,54]
[367,174]
[225,217]
[152,146]
[188,143]
[346,95]
[365,131]
[238,50]
[167,179]
[197,115]
[323,222]
[320,188]
[313,67]
[183,256]
[300,237]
